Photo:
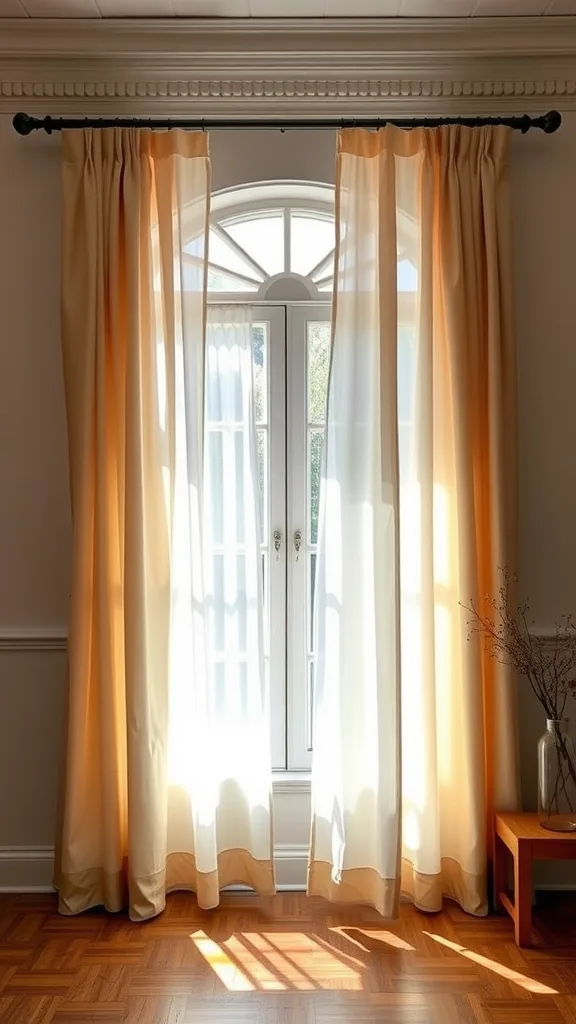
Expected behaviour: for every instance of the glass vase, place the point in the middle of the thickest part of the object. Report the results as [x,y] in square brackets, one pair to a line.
[557,778]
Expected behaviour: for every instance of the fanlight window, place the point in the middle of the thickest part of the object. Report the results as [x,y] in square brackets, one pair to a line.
[273,241]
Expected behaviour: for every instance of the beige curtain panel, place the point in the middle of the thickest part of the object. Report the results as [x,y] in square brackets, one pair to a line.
[418,513]
[142,810]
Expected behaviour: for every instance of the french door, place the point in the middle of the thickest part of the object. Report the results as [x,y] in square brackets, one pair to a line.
[291,357]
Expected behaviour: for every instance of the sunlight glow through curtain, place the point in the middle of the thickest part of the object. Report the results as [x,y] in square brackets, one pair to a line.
[219,734]
[446,353]
[167,781]
[356,757]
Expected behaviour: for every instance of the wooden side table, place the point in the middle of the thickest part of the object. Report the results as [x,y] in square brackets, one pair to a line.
[526,840]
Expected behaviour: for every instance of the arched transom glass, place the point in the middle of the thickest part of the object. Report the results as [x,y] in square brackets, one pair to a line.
[272,242]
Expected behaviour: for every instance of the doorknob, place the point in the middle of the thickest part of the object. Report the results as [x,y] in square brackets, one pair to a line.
[297,542]
[277,542]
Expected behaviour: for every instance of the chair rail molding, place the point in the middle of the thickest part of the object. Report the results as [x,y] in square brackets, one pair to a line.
[346,67]
[55,638]
[30,639]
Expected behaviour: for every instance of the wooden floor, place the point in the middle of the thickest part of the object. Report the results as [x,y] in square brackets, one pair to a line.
[287,960]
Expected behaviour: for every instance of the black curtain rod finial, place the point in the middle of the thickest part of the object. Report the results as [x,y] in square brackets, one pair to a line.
[23,124]
[551,122]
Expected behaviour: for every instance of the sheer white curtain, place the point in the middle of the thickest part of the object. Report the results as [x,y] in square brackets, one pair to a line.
[422,314]
[220,767]
[355,767]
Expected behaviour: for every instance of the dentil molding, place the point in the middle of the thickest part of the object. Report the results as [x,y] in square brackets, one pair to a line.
[277,66]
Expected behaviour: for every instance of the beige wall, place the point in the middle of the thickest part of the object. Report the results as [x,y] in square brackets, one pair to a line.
[34,513]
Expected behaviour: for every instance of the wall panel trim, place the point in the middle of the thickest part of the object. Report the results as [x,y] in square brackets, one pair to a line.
[30,638]
[55,638]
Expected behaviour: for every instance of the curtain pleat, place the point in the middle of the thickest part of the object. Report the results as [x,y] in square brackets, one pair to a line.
[454,496]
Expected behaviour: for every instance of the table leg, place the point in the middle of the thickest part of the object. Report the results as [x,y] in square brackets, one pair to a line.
[500,870]
[523,895]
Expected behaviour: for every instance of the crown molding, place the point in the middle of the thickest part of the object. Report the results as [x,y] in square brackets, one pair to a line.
[142,37]
[270,67]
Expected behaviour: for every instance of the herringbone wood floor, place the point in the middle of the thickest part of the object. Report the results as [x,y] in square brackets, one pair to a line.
[287,960]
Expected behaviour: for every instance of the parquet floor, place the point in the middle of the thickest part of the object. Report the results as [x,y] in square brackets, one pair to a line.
[287,960]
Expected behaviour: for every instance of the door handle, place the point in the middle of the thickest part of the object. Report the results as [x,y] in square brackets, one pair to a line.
[277,535]
[297,542]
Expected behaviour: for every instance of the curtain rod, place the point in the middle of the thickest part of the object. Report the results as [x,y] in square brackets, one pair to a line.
[24,124]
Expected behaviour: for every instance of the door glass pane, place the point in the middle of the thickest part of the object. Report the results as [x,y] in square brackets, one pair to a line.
[215,471]
[224,404]
[310,705]
[260,366]
[312,586]
[315,454]
[260,356]
[318,348]
[318,369]
[262,434]
[239,441]
[216,616]
[229,635]
[230,690]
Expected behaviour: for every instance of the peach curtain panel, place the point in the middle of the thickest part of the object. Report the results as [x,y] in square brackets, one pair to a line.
[137,817]
[416,728]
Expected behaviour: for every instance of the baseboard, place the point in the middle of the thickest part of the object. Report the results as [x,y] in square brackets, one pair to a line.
[29,869]
[291,865]
[26,868]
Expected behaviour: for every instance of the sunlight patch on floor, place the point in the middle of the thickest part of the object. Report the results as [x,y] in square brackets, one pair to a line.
[231,976]
[530,984]
[274,962]
[356,936]
[263,978]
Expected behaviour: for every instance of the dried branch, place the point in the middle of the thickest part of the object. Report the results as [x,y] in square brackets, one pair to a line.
[549,664]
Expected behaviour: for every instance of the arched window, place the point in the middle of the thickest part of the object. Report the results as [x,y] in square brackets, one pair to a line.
[272,242]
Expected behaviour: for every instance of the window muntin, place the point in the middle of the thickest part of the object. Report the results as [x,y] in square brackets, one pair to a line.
[261,233]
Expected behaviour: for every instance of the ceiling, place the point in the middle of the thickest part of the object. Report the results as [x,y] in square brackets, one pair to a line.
[282,8]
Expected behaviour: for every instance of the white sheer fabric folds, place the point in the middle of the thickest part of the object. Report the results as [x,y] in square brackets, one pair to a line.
[220,769]
[418,512]
[356,759]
